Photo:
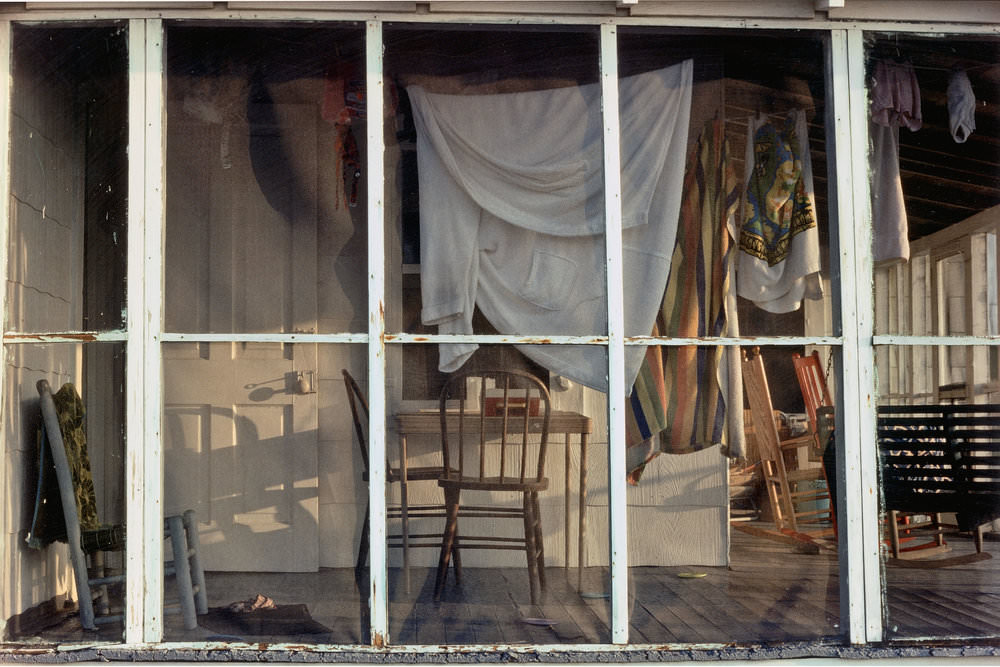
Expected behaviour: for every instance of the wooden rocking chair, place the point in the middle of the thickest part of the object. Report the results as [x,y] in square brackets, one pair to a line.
[799,498]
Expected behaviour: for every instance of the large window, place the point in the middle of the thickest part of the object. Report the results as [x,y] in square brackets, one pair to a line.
[596,333]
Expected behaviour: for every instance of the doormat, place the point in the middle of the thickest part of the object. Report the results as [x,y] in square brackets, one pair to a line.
[287,619]
[931,563]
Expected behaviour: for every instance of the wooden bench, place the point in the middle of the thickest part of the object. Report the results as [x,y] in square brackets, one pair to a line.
[940,459]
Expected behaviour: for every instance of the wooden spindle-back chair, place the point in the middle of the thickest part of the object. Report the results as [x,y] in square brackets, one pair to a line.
[494,431]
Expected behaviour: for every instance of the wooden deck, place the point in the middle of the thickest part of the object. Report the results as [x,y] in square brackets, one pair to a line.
[770,594]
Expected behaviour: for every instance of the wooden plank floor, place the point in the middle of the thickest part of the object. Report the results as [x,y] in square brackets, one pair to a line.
[770,593]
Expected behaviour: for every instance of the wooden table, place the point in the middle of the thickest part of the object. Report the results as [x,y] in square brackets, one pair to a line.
[428,422]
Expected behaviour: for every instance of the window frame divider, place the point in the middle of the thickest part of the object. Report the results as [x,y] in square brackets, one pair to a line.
[614,267]
[377,553]
[860,569]
[6,88]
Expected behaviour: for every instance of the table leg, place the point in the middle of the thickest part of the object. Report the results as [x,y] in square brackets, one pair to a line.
[404,511]
[582,511]
[566,504]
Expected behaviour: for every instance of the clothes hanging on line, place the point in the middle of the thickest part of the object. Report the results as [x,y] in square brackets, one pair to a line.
[961,106]
[779,258]
[683,398]
[512,213]
[895,103]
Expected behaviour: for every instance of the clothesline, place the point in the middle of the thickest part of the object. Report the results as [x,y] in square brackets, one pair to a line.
[775,115]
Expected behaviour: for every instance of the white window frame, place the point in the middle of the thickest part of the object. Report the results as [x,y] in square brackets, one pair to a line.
[861,596]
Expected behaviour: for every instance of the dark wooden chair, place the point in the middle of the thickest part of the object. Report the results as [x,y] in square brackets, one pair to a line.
[403,540]
[941,465]
[494,428]
[64,441]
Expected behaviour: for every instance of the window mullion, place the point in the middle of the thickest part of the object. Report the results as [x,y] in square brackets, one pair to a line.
[140,614]
[859,545]
[378,575]
[5,184]
[618,513]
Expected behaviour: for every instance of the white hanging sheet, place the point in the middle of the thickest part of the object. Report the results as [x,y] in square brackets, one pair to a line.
[512,213]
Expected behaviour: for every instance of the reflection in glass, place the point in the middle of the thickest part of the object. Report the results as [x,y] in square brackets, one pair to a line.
[88,383]
[266,219]
[938,467]
[494,600]
[68,180]
[259,440]
[495,194]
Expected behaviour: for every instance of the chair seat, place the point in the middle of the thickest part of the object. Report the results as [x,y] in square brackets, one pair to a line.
[805,475]
[493,484]
[419,474]
[105,538]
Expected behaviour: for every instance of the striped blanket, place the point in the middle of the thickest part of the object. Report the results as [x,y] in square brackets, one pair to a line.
[677,403]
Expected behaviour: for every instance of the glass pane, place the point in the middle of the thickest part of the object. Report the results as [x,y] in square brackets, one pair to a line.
[269,461]
[936,190]
[727,210]
[718,505]
[732,542]
[266,220]
[68,180]
[486,595]
[494,192]
[935,184]
[86,392]
[939,448]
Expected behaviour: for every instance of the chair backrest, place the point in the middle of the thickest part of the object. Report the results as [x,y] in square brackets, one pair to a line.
[815,393]
[356,399]
[72,465]
[490,423]
[758,395]
[62,418]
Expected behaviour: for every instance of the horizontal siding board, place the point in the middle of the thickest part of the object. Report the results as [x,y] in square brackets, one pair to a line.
[788,9]
[603,8]
[919,10]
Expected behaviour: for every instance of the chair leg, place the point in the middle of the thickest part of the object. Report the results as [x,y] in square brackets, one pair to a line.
[197,571]
[83,592]
[182,571]
[894,533]
[103,601]
[456,559]
[539,542]
[363,546]
[451,500]
[529,546]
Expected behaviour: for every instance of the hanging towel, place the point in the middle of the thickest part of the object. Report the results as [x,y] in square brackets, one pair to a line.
[895,103]
[512,213]
[779,260]
[961,106]
[680,399]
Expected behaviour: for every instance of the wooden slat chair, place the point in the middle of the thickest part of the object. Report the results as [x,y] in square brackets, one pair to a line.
[497,438]
[64,440]
[816,397]
[799,499]
[404,511]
